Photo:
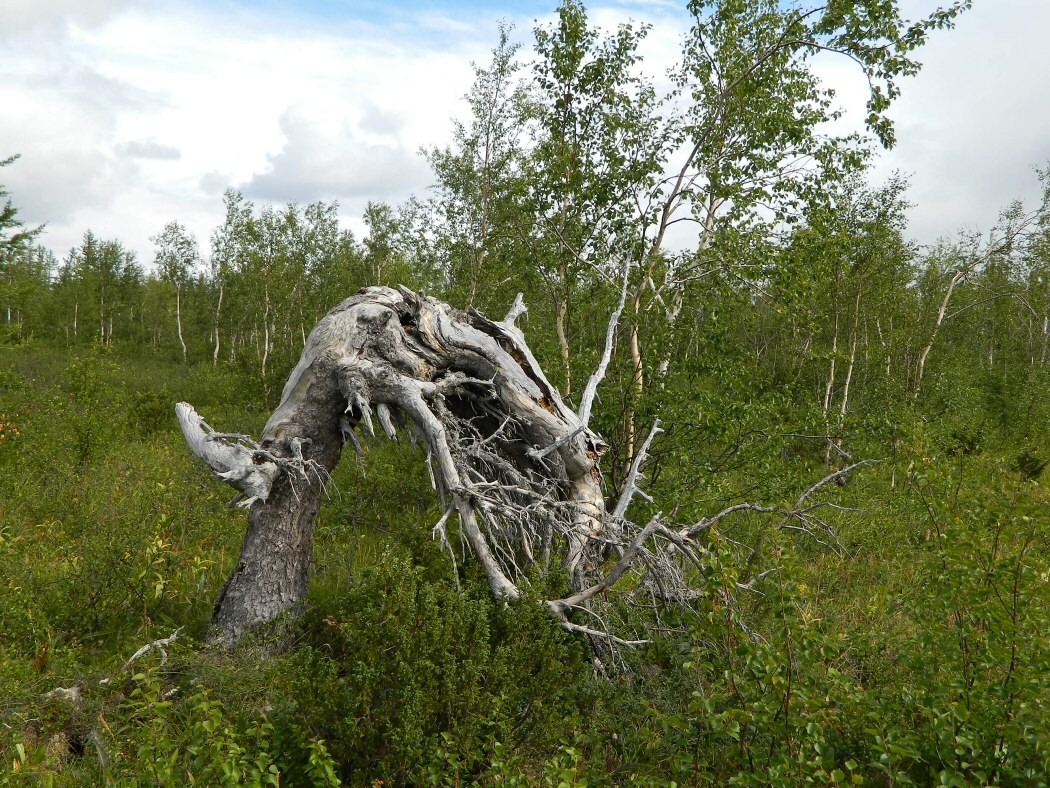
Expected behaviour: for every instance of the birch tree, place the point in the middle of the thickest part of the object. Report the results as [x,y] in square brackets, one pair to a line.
[598,145]
[476,219]
[103,280]
[949,267]
[177,259]
[619,174]
[229,246]
[19,266]
[841,274]
[748,136]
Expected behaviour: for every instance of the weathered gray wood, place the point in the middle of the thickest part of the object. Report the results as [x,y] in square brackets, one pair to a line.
[519,465]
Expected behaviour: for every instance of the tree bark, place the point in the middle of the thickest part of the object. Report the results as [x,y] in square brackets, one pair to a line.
[273,572]
[178,321]
[920,364]
[518,464]
[218,314]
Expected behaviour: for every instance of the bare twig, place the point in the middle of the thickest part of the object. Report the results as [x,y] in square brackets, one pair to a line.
[630,488]
[559,605]
[597,633]
[156,644]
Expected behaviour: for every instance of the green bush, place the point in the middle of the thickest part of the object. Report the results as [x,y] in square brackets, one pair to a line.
[971,704]
[411,680]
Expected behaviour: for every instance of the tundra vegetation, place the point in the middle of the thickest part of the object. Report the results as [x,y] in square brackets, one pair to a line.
[753,491]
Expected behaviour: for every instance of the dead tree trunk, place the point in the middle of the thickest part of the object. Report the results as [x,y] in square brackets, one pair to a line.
[511,460]
[517,465]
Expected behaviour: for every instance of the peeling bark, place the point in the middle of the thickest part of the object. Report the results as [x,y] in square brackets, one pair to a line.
[519,466]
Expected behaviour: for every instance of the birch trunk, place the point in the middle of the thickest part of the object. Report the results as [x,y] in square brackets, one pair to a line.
[852,359]
[1046,340]
[920,366]
[218,314]
[830,387]
[178,321]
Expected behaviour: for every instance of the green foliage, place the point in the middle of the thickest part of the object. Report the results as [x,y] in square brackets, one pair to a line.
[412,680]
[901,643]
[13,234]
[974,710]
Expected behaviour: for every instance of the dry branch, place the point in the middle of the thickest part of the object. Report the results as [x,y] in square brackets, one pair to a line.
[516,465]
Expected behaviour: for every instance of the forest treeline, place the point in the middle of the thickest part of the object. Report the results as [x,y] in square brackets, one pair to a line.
[832,319]
[775,315]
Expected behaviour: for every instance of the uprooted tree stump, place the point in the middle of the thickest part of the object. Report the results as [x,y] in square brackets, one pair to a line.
[509,457]
[518,467]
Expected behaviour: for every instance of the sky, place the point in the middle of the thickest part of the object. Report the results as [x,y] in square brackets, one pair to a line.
[128,114]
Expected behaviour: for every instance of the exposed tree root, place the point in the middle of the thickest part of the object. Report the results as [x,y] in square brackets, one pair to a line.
[519,468]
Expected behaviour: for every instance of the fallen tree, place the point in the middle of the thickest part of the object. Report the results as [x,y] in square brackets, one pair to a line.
[517,466]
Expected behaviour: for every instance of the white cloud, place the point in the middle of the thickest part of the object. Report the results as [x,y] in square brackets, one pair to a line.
[149,149]
[131,114]
[325,159]
[384,122]
[146,118]
[974,124]
[214,182]
[66,159]
[22,17]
